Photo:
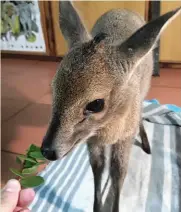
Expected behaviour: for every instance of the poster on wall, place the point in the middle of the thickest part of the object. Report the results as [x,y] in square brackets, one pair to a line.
[20,26]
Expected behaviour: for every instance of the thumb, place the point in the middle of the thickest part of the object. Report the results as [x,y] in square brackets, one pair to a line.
[10,195]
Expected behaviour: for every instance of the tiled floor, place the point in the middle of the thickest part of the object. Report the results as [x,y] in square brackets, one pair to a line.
[26,103]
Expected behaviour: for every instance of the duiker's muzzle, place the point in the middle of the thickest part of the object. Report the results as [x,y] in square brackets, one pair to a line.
[47,148]
[48,153]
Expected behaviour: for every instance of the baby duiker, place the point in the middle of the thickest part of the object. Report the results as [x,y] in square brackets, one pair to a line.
[99,89]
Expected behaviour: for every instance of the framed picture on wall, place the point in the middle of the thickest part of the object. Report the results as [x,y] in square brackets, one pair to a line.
[20,26]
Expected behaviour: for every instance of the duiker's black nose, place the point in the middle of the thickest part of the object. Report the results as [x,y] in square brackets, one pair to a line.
[49,153]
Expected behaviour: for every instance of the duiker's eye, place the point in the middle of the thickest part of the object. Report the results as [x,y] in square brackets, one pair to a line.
[95,107]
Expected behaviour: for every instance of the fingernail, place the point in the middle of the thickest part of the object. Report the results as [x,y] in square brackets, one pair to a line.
[12,186]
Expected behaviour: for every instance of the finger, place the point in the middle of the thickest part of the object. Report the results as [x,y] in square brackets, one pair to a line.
[10,195]
[25,210]
[26,197]
[17,209]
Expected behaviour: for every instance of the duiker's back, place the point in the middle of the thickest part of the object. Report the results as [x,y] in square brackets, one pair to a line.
[119,25]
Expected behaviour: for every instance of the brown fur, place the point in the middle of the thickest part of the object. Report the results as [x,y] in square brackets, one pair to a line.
[116,68]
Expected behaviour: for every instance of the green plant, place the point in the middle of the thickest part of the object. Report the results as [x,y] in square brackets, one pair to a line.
[30,162]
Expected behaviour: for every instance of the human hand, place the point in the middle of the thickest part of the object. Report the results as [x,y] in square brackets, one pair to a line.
[13,199]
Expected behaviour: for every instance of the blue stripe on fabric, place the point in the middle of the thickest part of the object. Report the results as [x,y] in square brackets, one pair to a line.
[75,188]
[59,202]
[171,107]
[61,166]
[45,174]
[176,172]
[155,101]
[54,195]
[174,108]
[155,194]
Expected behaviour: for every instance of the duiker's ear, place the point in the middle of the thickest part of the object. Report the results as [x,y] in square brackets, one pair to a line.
[135,48]
[71,26]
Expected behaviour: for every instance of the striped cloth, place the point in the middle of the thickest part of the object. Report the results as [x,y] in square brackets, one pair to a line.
[153,182]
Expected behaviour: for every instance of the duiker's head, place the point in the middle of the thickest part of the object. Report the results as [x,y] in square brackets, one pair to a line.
[90,88]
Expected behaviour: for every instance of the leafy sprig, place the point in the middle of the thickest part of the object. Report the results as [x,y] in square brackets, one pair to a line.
[30,163]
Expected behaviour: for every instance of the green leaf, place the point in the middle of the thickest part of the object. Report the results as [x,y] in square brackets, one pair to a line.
[24,157]
[33,148]
[16,172]
[18,160]
[30,182]
[30,170]
[37,155]
[28,164]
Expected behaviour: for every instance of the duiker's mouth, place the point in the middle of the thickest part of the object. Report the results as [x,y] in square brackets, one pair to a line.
[70,149]
[53,154]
